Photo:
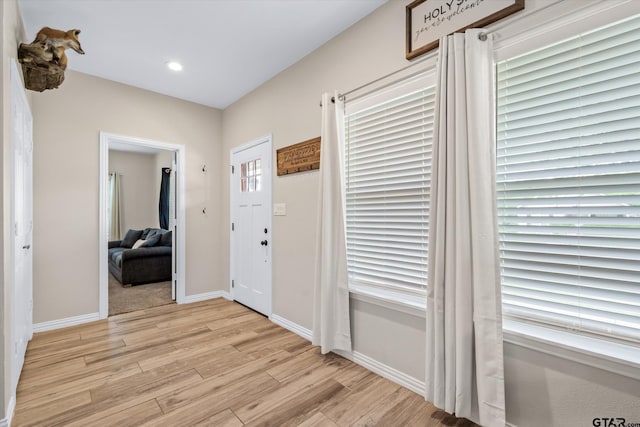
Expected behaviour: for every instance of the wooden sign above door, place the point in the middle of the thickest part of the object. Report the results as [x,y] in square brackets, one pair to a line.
[300,157]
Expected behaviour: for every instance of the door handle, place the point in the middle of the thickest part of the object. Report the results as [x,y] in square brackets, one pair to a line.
[26,247]
[264,243]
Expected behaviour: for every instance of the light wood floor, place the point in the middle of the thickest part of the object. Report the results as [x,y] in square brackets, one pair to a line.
[213,363]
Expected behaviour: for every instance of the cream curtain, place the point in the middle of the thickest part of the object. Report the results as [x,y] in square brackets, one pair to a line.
[331,326]
[115,208]
[464,371]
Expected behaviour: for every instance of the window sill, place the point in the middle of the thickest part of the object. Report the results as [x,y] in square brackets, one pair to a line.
[622,359]
[619,358]
[393,300]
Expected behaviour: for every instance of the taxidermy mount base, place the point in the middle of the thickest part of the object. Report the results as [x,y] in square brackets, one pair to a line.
[40,72]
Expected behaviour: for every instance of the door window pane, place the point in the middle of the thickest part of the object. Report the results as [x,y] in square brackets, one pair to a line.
[251,176]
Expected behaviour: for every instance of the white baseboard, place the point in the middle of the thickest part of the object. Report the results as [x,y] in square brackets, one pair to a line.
[91,317]
[365,361]
[206,296]
[293,327]
[385,371]
[66,322]
[6,421]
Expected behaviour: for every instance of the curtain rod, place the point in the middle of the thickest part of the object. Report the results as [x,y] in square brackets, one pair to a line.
[413,64]
[482,37]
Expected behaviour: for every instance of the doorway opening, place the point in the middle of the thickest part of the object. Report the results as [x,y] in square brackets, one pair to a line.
[142,227]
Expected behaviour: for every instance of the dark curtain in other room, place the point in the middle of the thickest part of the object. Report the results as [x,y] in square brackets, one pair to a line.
[163,206]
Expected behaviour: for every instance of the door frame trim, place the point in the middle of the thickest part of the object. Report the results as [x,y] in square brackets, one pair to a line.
[266,139]
[103,272]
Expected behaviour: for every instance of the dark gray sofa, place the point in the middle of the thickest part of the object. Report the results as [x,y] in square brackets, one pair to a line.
[144,264]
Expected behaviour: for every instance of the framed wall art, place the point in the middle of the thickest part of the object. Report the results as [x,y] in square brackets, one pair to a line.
[429,20]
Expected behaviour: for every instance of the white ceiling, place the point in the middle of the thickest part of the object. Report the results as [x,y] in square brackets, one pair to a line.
[227,47]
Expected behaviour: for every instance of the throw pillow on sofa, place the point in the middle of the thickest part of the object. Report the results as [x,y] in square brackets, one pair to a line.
[145,233]
[155,232]
[131,238]
[138,244]
[151,241]
[165,239]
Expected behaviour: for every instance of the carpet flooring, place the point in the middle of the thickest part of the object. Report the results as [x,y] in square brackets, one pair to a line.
[126,299]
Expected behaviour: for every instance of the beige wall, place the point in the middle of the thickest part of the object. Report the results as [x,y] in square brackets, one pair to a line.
[540,389]
[11,33]
[139,179]
[66,155]
[288,107]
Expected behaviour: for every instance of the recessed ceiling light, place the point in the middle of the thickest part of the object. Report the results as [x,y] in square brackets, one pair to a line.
[175,66]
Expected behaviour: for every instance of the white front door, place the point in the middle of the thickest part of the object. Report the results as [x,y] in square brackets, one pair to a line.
[22,223]
[251,225]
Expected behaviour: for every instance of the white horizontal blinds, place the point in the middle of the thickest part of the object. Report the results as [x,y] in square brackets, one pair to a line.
[388,173]
[568,174]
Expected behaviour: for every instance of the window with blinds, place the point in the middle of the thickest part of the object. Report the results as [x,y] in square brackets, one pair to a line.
[387,174]
[568,182]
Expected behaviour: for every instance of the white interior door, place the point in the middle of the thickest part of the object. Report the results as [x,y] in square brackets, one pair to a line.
[251,225]
[22,221]
[173,224]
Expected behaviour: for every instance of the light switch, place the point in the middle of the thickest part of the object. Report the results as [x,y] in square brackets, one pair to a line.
[279,209]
